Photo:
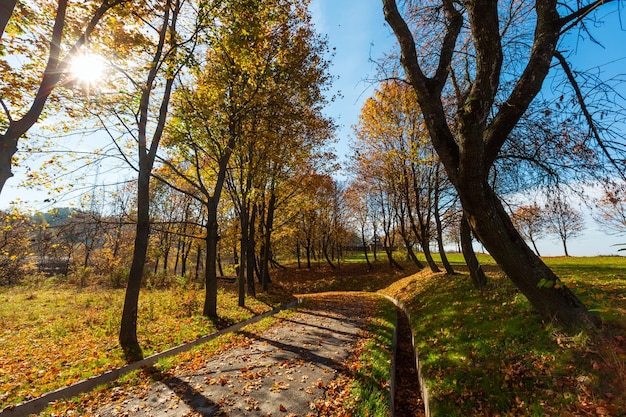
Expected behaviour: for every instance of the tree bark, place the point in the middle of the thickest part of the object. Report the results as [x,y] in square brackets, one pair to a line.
[539,284]
[469,148]
[367,259]
[210,267]
[475,269]
[439,230]
[269,225]
[128,327]
[6,10]
[251,252]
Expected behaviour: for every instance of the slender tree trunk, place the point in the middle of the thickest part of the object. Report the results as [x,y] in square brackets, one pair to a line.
[298,253]
[535,247]
[128,327]
[327,257]
[251,252]
[392,262]
[426,248]
[198,260]
[166,254]
[210,273]
[439,230]
[269,225]
[565,247]
[244,256]
[219,264]
[308,253]
[367,259]
[475,269]
[413,257]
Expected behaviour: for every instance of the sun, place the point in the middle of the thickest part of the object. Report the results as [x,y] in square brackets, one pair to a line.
[87,68]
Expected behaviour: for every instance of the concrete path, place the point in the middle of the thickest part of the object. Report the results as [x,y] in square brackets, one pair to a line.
[283,372]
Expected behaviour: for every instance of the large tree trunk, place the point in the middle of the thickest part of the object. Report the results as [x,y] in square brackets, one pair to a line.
[469,148]
[6,10]
[539,284]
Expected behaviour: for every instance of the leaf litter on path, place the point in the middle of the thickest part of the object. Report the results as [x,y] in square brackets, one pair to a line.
[292,369]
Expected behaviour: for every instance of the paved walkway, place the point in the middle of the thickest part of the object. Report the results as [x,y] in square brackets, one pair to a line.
[283,372]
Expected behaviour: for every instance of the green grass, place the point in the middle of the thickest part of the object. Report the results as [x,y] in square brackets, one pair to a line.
[490,353]
[369,394]
[52,337]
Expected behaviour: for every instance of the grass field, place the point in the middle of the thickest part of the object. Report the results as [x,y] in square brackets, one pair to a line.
[489,353]
[57,335]
[483,353]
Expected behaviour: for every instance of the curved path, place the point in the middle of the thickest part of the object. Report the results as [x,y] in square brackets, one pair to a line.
[283,372]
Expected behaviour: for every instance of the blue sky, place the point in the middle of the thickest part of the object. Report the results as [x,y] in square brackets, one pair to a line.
[358,32]
[357,29]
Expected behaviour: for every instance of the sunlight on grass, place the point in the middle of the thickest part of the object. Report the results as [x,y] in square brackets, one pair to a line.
[490,353]
[52,337]
[370,394]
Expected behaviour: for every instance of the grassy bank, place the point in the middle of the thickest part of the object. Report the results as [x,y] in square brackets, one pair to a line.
[489,353]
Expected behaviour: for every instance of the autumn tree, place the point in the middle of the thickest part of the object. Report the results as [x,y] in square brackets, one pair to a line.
[562,220]
[530,221]
[611,208]
[493,82]
[392,148]
[164,61]
[14,244]
[252,107]
[39,41]
[358,213]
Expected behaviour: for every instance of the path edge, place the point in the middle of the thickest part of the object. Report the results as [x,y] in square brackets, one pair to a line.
[418,364]
[36,405]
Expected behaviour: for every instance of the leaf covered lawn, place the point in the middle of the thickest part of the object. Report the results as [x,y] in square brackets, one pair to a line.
[490,353]
[52,337]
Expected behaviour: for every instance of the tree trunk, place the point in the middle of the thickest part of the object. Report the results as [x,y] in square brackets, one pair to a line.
[535,247]
[269,225]
[539,284]
[392,262]
[6,10]
[198,258]
[298,253]
[565,247]
[308,254]
[250,253]
[244,256]
[429,257]
[128,328]
[210,272]
[475,269]
[439,230]
[367,259]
